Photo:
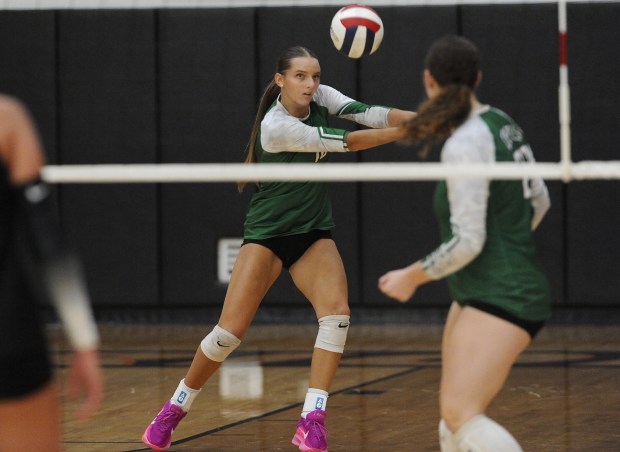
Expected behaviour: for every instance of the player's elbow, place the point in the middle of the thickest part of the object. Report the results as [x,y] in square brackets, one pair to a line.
[472,244]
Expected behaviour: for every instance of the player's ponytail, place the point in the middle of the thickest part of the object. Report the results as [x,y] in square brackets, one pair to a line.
[269,96]
[453,62]
[438,117]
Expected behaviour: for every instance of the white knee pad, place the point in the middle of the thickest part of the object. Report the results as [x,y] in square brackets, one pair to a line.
[218,344]
[482,434]
[332,334]
[446,441]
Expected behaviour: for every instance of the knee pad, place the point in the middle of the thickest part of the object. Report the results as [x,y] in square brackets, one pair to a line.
[218,344]
[482,434]
[332,334]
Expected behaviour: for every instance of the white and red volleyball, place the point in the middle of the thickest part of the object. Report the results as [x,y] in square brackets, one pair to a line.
[357,30]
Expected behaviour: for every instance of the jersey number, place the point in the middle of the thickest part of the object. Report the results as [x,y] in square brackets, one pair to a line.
[525,154]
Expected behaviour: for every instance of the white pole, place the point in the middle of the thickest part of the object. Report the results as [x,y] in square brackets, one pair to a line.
[564,96]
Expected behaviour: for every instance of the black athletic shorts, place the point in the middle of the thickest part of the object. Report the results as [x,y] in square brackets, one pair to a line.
[291,247]
[531,327]
[24,362]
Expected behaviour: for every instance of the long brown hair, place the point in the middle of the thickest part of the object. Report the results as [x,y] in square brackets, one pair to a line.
[454,62]
[270,94]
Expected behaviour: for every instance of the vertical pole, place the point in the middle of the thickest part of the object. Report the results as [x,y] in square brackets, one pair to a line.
[564,96]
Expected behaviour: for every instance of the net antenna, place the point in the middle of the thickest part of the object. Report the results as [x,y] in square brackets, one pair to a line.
[564,95]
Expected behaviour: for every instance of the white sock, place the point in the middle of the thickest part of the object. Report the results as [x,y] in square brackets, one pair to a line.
[316,399]
[482,434]
[184,396]
[446,440]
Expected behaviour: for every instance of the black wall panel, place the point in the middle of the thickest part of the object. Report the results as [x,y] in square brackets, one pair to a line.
[207,106]
[520,57]
[397,225]
[106,99]
[148,86]
[593,212]
[519,46]
[278,29]
[28,68]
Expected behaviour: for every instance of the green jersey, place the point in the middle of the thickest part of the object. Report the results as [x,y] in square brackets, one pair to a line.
[488,252]
[286,208]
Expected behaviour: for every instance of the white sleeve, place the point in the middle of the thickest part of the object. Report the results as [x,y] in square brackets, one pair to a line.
[338,104]
[468,208]
[69,294]
[283,133]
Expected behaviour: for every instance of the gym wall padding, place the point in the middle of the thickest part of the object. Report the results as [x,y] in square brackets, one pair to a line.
[593,207]
[182,85]
[106,109]
[28,68]
[206,104]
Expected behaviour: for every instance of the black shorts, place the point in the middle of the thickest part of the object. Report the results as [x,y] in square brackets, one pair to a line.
[530,326]
[24,362]
[290,248]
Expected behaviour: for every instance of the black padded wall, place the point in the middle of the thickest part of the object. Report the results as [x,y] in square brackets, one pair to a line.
[520,57]
[28,68]
[397,225]
[106,101]
[149,86]
[207,102]
[593,212]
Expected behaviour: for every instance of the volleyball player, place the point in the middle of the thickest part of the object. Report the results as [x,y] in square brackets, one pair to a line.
[288,226]
[488,254]
[36,264]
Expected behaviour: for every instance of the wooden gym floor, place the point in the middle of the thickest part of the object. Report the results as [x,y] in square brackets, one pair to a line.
[563,394]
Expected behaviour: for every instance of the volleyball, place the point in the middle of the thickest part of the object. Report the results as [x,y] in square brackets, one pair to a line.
[356,30]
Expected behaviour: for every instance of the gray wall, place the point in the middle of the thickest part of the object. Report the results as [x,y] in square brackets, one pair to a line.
[167,86]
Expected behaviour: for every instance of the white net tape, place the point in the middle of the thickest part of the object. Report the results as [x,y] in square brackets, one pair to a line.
[136,4]
[343,172]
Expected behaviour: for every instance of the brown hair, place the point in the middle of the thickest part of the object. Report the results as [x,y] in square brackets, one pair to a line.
[454,62]
[270,94]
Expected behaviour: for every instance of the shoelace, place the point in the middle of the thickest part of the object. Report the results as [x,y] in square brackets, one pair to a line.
[165,420]
[317,430]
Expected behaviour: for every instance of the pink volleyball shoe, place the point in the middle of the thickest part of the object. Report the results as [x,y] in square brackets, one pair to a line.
[158,434]
[311,434]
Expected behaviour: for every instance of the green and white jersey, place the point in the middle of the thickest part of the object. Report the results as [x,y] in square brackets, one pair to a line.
[488,252]
[287,208]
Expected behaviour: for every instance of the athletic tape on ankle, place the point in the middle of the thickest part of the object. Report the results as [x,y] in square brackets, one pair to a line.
[332,334]
[218,344]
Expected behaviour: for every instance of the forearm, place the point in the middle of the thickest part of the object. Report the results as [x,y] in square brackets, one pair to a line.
[359,140]
[417,274]
[398,117]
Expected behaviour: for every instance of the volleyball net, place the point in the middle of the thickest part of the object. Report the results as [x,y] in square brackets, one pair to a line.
[344,172]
